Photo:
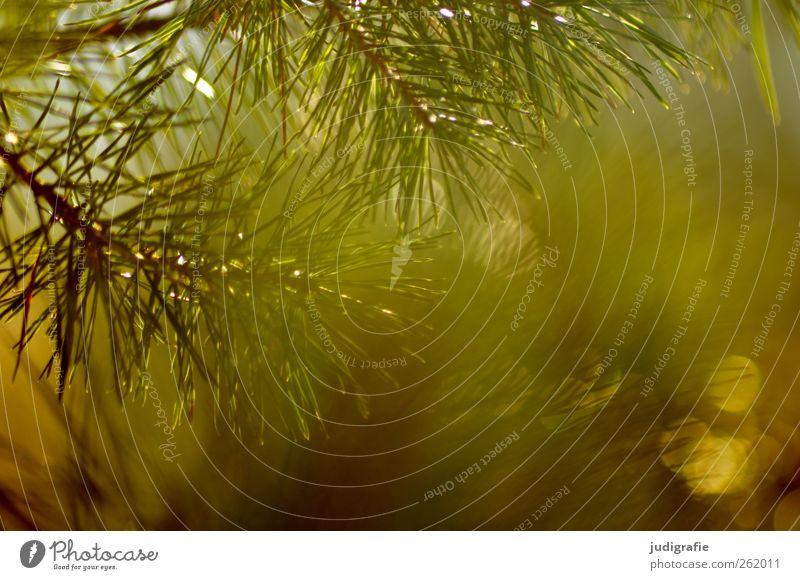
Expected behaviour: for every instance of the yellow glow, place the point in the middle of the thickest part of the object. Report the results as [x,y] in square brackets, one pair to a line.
[717,466]
[735,385]
[202,85]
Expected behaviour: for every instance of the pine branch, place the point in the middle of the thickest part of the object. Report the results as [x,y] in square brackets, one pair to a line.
[349,106]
